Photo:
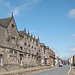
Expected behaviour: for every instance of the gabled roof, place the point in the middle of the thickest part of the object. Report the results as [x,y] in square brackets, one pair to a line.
[5,22]
[21,33]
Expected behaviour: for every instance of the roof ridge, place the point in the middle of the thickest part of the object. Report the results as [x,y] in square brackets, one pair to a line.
[5,18]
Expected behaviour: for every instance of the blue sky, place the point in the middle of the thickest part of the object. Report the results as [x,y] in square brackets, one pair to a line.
[52,20]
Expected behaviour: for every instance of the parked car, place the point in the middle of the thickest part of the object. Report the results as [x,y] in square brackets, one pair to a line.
[60,65]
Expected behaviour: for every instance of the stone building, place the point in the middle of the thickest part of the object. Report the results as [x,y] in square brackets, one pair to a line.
[46,58]
[42,53]
[17,47]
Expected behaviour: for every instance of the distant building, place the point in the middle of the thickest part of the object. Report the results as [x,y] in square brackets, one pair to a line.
[74,60]
[44,54]
[56,61]
[46,58]
[51,57]
[71,60]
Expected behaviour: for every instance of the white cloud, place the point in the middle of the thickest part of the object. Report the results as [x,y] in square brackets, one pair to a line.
[63,56]
[16,10]
[5,3]
[73,35]
[73,46]
[27,4]
[71,13]
[72,50]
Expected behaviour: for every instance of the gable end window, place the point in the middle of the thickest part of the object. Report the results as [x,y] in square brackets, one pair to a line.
[12,25]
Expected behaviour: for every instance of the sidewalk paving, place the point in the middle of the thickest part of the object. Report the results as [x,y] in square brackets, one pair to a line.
[72,70]
[27,70]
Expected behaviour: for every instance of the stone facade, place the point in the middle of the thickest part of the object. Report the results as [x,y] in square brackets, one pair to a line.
[19,47]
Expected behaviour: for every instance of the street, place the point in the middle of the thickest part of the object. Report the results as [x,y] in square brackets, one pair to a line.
[57,71]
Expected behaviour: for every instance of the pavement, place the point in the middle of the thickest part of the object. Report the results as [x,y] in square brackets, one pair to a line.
[57,71]
[72,70]
[27,70]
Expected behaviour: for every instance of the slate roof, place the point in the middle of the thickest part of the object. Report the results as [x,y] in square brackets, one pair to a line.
[5,22]
[21,33]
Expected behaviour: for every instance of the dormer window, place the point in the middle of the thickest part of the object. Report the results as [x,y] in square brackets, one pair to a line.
[12,25]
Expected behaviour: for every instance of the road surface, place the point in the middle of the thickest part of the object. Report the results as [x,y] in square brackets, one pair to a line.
[57,71]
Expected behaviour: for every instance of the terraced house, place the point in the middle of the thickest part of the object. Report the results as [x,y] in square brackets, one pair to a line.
[19,48]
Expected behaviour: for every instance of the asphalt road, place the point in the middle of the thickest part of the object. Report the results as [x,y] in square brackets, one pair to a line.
[57,71]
